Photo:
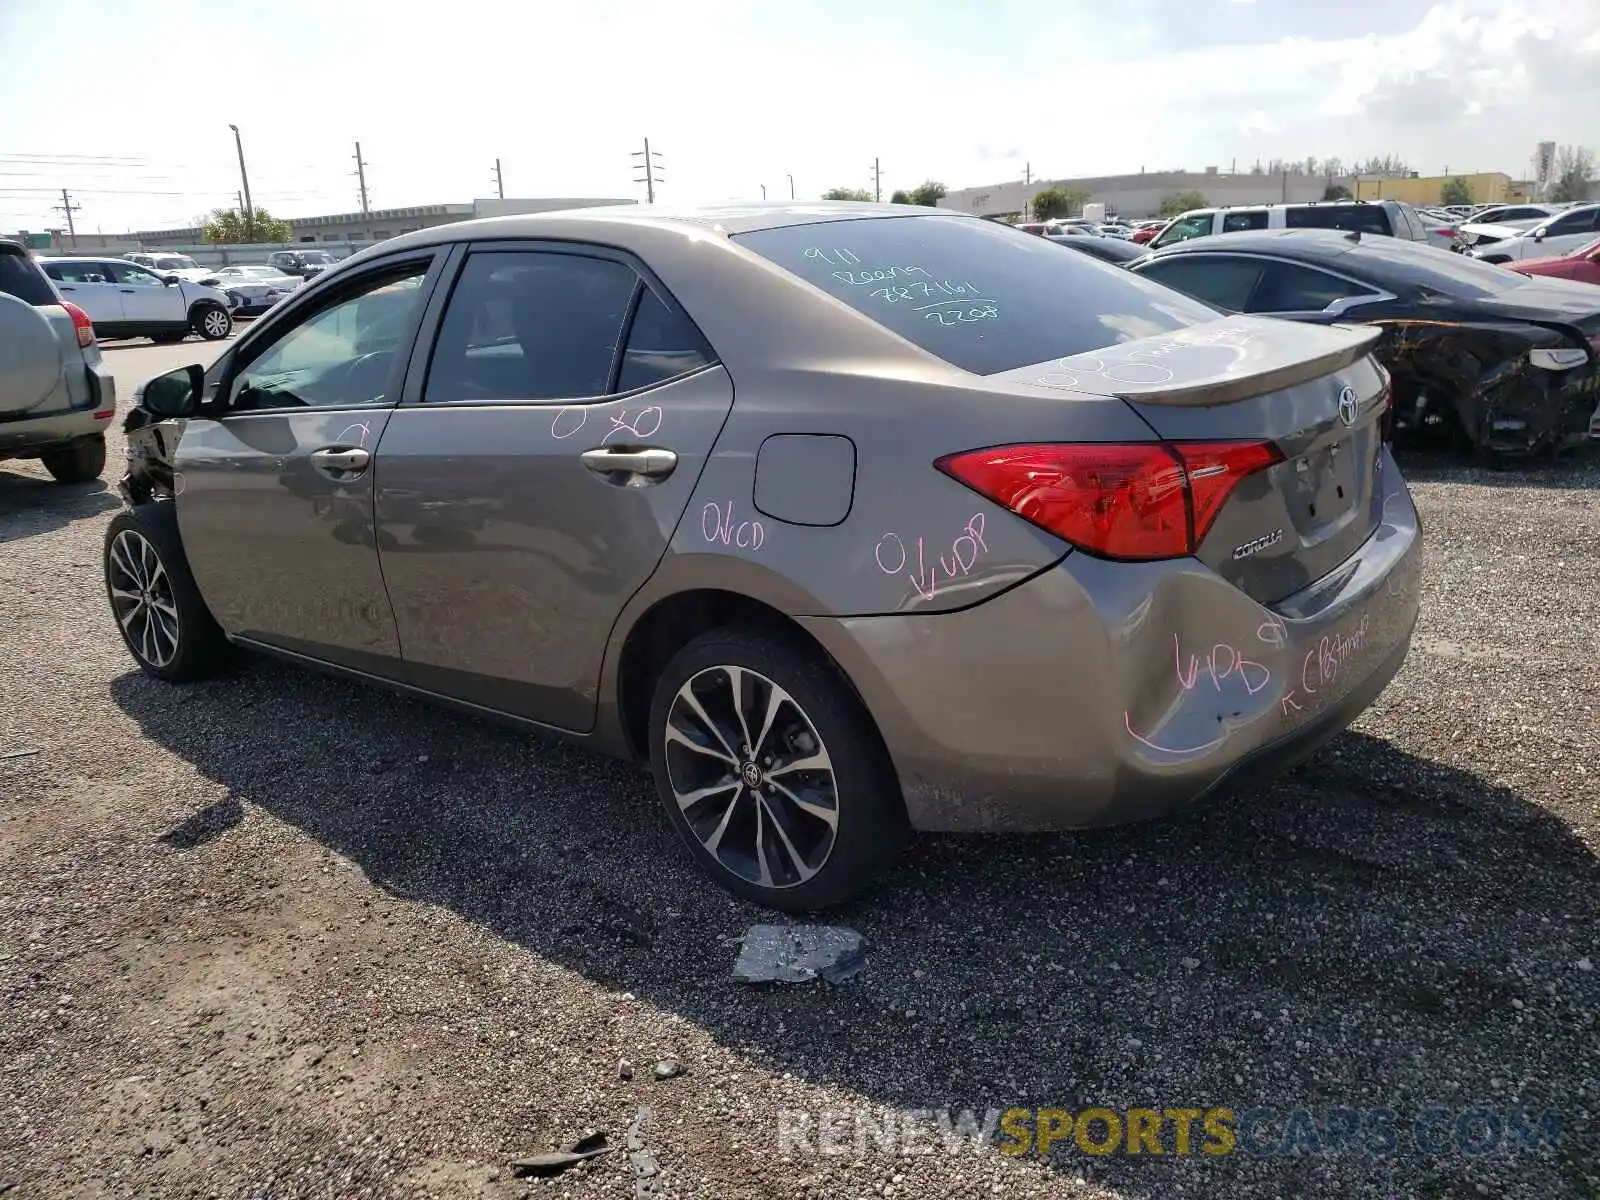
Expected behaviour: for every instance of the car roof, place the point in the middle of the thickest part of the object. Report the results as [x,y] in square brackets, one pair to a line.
[725,219]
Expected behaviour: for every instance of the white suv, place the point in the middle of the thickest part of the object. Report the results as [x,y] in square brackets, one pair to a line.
[124,299]
[1385,218]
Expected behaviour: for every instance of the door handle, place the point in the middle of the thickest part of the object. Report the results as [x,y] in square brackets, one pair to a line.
[341,461]
[650,463]
[128,290]
[63,287]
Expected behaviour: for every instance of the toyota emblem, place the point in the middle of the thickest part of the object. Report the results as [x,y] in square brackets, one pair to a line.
[1349,406]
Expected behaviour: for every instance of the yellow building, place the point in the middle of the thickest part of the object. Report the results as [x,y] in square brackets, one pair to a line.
[1487,187]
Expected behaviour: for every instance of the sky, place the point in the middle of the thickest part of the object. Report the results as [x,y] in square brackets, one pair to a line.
[128,103]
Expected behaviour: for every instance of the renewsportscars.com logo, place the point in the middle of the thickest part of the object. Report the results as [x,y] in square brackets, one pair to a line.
[1214,1131]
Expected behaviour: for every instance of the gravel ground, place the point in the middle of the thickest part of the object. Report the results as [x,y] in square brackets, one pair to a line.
[279,935]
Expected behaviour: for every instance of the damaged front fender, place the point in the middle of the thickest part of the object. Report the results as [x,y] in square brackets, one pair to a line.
[152,444]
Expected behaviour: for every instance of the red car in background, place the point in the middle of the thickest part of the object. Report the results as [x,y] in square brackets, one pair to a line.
[1582,264]
[1145,230]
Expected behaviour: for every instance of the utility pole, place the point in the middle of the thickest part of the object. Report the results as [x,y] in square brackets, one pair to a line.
[499,181]
[877,180]
[68,207]
[361,177]
[763,191]
[1027,173]
[791,187]
[651,169]
[244,178]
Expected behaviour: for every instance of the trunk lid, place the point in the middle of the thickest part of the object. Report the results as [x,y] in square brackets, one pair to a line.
[1313,391]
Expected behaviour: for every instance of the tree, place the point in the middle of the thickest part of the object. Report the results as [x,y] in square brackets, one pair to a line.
[901,197]
[1455,191]
[1332,167]
[1055,202]
[847,194]
[1574,172]
[1182,202]
[1336,191]
[929,194]
[1387,165]
[228,226]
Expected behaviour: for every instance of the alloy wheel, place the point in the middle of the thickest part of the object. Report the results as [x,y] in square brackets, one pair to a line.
[751,776]
[215,322]
[142,600]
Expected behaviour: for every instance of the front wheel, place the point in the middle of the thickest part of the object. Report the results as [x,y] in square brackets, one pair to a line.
[212,322]
[158,609]
[79,462]
[772,772]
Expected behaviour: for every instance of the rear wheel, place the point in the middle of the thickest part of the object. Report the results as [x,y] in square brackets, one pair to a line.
[772,772]
[79,462]
[211,321]
[158,609]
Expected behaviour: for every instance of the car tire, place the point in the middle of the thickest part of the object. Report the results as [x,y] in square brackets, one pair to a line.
[78,462]
[170,633]
[849,825]
[211,321]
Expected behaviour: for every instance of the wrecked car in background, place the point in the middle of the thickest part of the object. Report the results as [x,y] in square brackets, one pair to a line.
[1489,359]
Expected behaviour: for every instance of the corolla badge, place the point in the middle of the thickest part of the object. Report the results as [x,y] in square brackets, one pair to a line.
[1349,406]
[1257,545]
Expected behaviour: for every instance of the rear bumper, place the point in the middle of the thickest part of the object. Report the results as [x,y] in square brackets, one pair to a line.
[1098,693]
[88,403]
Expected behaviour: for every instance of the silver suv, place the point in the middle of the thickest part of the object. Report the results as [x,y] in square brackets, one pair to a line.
[1385,218]
[56,395]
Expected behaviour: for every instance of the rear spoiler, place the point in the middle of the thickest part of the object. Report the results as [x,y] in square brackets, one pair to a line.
[1220,362]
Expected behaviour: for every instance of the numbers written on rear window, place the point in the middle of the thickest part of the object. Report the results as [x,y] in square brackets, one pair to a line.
[982,297]
[541,325]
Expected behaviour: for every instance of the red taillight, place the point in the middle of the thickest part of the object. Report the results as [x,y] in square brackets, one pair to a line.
[1138,501]
[1446,233]
[80,324]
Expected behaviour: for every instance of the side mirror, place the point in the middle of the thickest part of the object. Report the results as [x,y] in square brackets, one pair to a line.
[1538,235]
[169,280]
[175,394]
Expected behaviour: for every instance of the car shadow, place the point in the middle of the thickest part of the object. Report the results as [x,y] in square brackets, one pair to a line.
[35,504]
[1332,940]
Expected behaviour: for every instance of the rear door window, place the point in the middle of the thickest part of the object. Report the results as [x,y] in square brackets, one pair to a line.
[662,345]
[980,296]
[1238,222]
[20,277]
[1579,221]
[79,271]
[1365,218]
[531,325]
[1288,287]
[1218,279]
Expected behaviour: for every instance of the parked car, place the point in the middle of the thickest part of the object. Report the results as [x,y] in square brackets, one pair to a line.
[1582,264]
[1566,231]
[303,263]
[1518,216]
[56,394]
[1388,218]
[251,290]
[124,299]
[179,265]
[846,519]
[1107,249]
[1143,231]
[1497,361]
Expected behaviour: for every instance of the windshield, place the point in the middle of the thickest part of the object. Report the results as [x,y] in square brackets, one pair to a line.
[981,296]
[176,262]
[318,256]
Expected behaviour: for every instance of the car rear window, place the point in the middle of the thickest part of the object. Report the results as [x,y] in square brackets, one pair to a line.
[21,277]
[981,296]
[1368,218]
[1443,272]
